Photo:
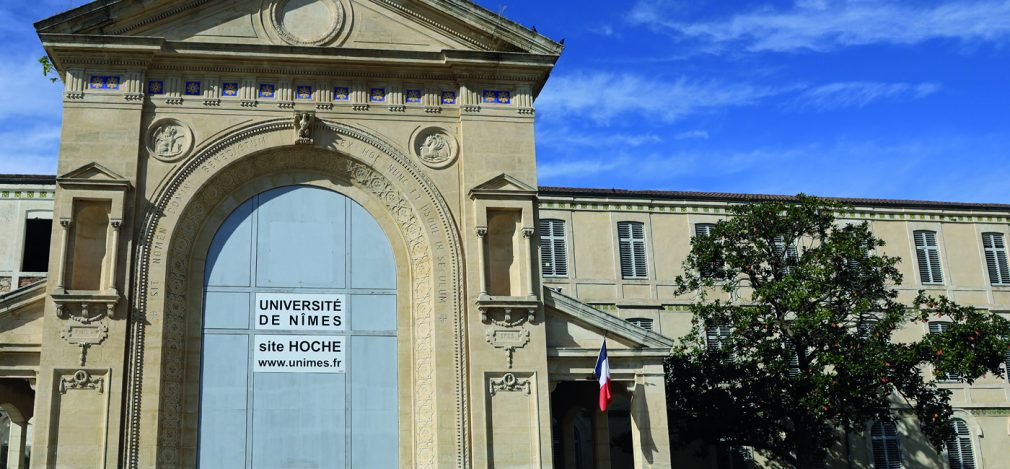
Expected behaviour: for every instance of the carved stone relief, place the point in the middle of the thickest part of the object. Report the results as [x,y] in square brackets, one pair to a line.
[81,379]
[169,140]
[509,383]
[435,147]
[303,127]
[305,22]
[506,324]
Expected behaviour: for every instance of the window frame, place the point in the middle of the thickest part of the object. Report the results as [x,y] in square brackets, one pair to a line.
[937,277]
[637,272]
[712,271]
[959,439]
[550,239]
[1001,258]
[640,322]
[721,333]
[946,378]
[883,438]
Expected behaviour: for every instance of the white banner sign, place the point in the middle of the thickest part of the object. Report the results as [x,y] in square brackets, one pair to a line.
[299,354]
[300,312]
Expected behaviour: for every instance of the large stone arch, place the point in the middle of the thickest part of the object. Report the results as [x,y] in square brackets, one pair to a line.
[176,231]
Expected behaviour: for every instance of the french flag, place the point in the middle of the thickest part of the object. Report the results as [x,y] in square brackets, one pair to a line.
[603,375]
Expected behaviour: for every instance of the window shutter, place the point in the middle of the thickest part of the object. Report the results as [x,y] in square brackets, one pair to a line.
[794,359]
[553,251]
[716,336]
[788,252]
[937,327]
[996,258]
[927,253]
[1008,364]
[631,244]
[886,451]
[960,454]
[705,229]
[644,323]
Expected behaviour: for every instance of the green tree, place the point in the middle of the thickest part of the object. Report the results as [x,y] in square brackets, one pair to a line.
[806,309]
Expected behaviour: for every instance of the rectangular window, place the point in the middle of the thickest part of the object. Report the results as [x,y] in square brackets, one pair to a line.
[886,452]
[35,256]
[995,258]
[927,252]
[790,255]
[644,323]
[553,251]
[716,336]
[939,327]
[705,229]
[631,240]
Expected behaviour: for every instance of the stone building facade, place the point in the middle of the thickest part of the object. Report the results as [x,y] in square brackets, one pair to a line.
[230,168]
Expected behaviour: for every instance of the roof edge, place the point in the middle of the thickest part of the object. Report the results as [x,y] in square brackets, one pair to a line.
[45,179]
[734,197]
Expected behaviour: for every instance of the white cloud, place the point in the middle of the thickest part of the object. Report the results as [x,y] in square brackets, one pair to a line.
[858,94]
[830,24]
[29,148]
[565,137]
[692,135]
[603,96]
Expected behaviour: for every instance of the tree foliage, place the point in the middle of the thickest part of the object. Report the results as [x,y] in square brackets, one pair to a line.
[49,69]
[813,313]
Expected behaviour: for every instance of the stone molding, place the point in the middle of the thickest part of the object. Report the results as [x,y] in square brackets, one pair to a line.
[185,200]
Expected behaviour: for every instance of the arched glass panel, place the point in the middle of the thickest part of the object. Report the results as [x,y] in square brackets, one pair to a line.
[299,337]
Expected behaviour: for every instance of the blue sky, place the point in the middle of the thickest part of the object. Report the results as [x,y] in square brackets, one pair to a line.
[861,98]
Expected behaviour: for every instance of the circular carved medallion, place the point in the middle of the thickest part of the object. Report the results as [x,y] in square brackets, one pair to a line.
[306,22]
[169,140]
[435,147]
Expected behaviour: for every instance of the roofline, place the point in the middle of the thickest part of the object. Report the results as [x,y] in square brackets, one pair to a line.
[552,191]
[45,179]
[517,32]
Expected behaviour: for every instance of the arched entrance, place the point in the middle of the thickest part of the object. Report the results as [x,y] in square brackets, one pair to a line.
[193,202]
[299,336]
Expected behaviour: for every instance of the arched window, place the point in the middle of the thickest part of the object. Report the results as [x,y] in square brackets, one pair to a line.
[884,438]
[960,453]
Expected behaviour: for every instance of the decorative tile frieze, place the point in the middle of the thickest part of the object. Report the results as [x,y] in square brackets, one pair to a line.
[26,194]
[303,92]
[193,88]
[104,83]
[229,89]
[267,91]
[155,87]
[377,95]
[496,97]
[448,98]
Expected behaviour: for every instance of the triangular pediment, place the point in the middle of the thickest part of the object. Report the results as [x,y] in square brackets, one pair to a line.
[406,25]
[574,325]
[93,174]
[503,184]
